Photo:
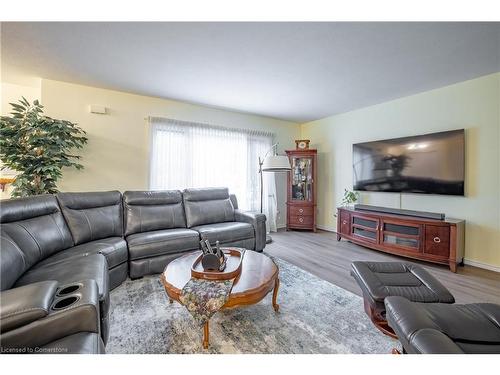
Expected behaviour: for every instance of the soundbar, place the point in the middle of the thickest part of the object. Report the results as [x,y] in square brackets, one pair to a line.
[397,211]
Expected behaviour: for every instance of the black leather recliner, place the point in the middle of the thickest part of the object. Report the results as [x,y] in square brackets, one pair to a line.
[439,328]
[155,229]
[215,215]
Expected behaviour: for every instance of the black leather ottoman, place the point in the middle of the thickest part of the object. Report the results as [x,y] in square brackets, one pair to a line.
[379,280]
[436,328]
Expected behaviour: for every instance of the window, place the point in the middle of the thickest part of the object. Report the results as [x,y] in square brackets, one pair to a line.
[185,154]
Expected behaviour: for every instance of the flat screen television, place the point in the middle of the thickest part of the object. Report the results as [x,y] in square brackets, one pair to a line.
[428,164]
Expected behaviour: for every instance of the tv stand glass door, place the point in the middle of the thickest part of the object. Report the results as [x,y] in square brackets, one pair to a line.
[406,237]
[364,228]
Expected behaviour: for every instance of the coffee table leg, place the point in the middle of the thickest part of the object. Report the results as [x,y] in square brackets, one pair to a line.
[205,335]
[275,294]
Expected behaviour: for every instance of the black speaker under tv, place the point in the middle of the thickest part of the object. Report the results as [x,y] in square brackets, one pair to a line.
[428,164]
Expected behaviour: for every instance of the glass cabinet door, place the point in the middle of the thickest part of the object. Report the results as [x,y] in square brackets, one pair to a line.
[365,228]
[405,236]
[302,178]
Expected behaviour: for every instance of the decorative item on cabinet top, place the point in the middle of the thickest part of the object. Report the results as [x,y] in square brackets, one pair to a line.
[302,144]
[301,196]
[350,197]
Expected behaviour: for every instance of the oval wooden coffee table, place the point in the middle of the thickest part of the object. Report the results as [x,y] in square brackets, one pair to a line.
[259,275]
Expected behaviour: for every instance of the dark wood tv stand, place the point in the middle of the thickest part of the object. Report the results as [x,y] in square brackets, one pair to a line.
[437,241]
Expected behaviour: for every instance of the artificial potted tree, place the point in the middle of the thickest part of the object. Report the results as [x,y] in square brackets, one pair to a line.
[38,147]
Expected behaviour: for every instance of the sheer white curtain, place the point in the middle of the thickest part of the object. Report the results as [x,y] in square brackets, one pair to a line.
[186,154]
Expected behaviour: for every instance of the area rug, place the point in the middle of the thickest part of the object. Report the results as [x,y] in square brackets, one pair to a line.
[315,317]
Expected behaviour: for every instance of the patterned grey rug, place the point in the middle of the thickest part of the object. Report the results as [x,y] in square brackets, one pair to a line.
[315,317]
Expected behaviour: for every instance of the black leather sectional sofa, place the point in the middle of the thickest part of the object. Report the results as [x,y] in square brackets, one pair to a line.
[62,254]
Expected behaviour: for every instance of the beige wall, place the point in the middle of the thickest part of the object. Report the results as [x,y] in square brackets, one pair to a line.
[473,105]
[117,154]
[11,92]
[15,85]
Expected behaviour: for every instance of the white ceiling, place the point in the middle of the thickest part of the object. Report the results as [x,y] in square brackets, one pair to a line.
[292,71]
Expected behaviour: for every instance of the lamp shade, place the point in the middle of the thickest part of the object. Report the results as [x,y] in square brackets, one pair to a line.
[276,163]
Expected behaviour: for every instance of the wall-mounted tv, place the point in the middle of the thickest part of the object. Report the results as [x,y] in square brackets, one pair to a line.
[428,164]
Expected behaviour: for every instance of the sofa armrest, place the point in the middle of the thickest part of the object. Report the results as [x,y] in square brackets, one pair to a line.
[78,311]
[234,201]
[258,221]
[23,305]
[431,341]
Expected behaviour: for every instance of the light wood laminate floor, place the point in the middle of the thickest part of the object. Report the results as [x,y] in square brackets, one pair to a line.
[320,254]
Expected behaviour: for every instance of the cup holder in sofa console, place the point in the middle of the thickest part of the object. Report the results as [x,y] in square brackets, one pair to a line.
[68,289]
[65,302]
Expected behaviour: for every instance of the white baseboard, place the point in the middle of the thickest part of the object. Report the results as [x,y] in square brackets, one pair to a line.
[327,228]
[481,265]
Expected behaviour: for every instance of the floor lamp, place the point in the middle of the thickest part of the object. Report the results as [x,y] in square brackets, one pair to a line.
[271,163]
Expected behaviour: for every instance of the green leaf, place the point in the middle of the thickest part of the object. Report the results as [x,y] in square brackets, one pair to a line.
[38,147]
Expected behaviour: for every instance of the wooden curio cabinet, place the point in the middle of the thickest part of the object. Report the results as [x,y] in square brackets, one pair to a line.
[301,196]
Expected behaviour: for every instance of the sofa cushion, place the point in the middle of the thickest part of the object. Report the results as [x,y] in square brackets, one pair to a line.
[379,280]
[207,206]
[12,262]
[160,242]
[36,225]
[113,248]
[92,216]
[72,270]
[225,232]
[153,210]
[476,323]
